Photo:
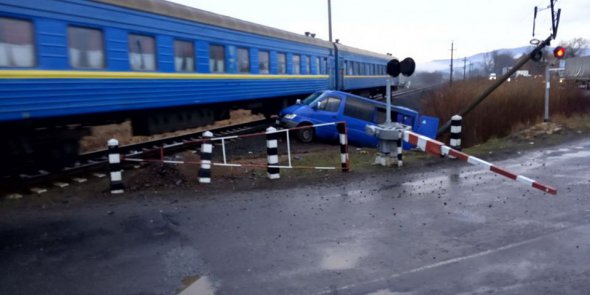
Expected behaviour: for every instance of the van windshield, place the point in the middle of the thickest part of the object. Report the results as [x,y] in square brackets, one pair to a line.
[313,97]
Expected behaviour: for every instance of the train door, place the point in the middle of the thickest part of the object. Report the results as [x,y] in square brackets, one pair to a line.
[331,70]
[341,72]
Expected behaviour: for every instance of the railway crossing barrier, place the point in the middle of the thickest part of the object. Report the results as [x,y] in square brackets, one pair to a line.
[438,148]
[206,162]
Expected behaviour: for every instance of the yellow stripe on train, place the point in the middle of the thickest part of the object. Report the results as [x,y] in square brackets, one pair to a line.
[44,74]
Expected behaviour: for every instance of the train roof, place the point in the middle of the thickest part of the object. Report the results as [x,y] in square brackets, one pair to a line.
[180,11]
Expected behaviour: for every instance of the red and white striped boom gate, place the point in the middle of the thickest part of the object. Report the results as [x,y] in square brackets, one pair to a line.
[438,148]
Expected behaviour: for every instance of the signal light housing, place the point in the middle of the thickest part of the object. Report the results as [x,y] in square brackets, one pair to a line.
[406,67]
[559,52]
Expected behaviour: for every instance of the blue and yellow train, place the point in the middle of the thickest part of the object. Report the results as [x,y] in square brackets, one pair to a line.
[69,64]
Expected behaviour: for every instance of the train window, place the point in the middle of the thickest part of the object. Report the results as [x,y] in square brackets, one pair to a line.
[357,68]
[296,64]
[282,63]
[316,65]
[142,53]
[16,43]
[306,64]
[216,59]
[86,48]
[324,67]
[243,60]
[184,56]
[349,68]
[263,62]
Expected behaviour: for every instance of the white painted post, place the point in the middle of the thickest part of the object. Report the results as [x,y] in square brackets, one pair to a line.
[206,156]
[116,174]
[272,151]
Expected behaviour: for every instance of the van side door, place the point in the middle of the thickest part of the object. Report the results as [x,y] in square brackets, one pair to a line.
[327,110]
[358,113]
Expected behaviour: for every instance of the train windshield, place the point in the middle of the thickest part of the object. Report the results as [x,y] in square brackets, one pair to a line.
[313,97]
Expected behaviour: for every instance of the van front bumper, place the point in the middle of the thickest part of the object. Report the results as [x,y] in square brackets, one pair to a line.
[287,123]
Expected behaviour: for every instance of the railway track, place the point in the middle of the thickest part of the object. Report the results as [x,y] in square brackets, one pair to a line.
[96,162]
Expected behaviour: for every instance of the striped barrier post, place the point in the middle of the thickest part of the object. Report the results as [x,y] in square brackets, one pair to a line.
[116,178]
[272,151]
[206,156]
[438,148]
[399,142]
[344,161]
[456,130]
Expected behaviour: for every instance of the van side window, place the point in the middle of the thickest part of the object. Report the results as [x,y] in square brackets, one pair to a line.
[330,104]
[358,109]
[380,116]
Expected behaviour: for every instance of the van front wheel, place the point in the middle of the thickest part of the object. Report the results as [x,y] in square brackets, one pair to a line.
[305,135]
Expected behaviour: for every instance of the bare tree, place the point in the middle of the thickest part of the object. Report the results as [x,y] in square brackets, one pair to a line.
[489,59]
[574,47]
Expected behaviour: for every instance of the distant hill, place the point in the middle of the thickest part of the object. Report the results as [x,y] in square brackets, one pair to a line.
[477,60]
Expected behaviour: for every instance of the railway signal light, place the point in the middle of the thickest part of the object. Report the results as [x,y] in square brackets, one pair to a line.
[559,52]
[537,55]
[406,67]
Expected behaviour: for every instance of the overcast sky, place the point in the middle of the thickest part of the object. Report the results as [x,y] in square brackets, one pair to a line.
[422,29]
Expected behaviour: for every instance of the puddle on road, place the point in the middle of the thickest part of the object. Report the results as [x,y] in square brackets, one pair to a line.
[342,257]
[469,217]
[387,292]
[197,285]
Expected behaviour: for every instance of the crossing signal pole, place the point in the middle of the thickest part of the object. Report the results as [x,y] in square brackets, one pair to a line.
[452,49]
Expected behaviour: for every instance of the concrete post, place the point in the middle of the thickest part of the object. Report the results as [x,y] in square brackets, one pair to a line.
[341,126]
[456,130]
[206,156]
[272,152]
[399,142]
[116,175]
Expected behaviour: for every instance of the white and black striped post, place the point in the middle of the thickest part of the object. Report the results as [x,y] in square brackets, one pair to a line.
[400,148]
[117,186]
[456,132]
[272,153]
[206,156]
[341,126]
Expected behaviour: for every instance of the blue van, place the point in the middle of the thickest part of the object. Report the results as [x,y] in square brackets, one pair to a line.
[357,111]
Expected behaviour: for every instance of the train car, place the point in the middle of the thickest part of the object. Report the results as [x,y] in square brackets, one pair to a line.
[577,71]
[66,65]
[363,72]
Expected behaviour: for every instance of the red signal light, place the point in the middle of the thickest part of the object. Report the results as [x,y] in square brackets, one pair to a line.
[559,52]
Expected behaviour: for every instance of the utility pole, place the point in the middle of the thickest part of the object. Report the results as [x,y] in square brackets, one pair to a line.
[330,19]
[464,67]
[452,49]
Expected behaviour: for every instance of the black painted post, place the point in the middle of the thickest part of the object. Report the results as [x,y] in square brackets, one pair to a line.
[456,130]
[400,149]
[206,156]
[272,151]
[341,126]
[116,175]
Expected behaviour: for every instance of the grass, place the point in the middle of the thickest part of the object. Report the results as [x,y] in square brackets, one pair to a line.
[512,106]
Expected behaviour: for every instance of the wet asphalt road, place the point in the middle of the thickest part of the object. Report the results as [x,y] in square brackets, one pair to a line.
[450,230]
